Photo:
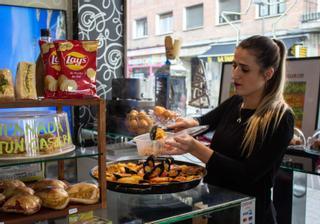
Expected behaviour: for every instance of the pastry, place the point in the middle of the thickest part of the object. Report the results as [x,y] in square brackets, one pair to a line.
[10,191]
[23,203]
[84,193]
[55,198]
[2,198]
[45,183]
[10,184]
[26,81]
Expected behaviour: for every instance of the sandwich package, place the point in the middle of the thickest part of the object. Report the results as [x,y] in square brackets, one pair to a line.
[26,81]
[6,85]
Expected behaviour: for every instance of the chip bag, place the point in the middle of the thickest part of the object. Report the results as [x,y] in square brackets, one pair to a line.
[78,68]
[52,68]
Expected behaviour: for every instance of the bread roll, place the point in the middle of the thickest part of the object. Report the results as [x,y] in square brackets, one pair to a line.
[55,198]
[26,81]
[84,193]
[23,203]
[45,183]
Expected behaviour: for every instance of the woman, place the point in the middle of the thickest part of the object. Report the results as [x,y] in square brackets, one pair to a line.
[252,129]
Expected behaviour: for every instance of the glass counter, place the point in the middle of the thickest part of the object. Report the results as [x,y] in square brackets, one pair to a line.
[202,204]
[297,190]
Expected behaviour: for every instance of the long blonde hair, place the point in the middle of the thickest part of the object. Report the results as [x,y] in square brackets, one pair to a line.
[269,54]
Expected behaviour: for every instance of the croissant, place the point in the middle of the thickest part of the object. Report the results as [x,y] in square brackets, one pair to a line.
[22,203]
[55,198]
[45,183]
[84,193]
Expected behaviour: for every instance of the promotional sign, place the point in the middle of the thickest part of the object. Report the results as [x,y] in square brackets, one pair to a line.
[247,212]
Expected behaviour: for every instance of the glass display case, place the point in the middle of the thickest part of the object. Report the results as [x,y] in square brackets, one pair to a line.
[202,204]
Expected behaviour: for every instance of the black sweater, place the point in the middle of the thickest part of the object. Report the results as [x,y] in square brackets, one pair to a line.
[228,168]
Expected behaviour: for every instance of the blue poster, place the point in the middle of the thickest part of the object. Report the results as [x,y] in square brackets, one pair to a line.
[20,34]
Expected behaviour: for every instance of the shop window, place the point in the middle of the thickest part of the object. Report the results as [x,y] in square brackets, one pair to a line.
[165,23]
[194,17]
[272,8]
[141,28]
[230,6]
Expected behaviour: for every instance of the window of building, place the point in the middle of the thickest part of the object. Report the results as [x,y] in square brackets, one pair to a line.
[165,23]
[230,6]
[194,17]
[274,7]
[140,28]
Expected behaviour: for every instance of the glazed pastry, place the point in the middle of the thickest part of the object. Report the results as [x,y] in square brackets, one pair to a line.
[10,184]
[23,203]
[45,183]
[55,198]
[84,193]
[10,191]
[26,81]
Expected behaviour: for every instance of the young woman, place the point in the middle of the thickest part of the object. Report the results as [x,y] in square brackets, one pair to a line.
[252,129]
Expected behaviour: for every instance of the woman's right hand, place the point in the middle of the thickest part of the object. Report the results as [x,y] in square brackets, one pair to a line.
[183,123]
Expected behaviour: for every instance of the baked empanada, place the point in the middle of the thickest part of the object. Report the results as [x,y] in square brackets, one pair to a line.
[55,198]
[11,184]
[45,183]
[8,192]
[22,203]
[2,198]
[84,193]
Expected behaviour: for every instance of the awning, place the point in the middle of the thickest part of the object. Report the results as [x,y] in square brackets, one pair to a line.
[224,52]
[219,50]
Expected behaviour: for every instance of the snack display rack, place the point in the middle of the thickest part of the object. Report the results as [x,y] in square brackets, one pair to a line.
[45,214]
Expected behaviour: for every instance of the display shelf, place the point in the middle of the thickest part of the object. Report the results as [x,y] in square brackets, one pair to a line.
[48,102]
[45,214]
[100,153]
[77,153]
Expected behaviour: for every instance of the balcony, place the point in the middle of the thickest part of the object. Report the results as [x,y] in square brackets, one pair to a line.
[310,16]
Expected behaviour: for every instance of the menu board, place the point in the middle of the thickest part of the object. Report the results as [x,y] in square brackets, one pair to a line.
[301,91]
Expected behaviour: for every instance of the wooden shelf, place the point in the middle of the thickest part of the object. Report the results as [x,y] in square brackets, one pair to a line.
[44,214]
[49,102]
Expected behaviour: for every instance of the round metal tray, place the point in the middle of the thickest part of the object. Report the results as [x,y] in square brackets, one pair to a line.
[171,187]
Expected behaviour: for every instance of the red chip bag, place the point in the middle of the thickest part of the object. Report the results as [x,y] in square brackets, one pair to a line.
[51,67]
[78,68]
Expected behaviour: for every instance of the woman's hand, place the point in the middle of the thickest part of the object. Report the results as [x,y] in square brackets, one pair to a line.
[183,123]
[187,144]
[180,144]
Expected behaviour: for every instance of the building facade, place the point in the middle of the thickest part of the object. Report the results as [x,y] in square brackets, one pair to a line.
[210,30]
